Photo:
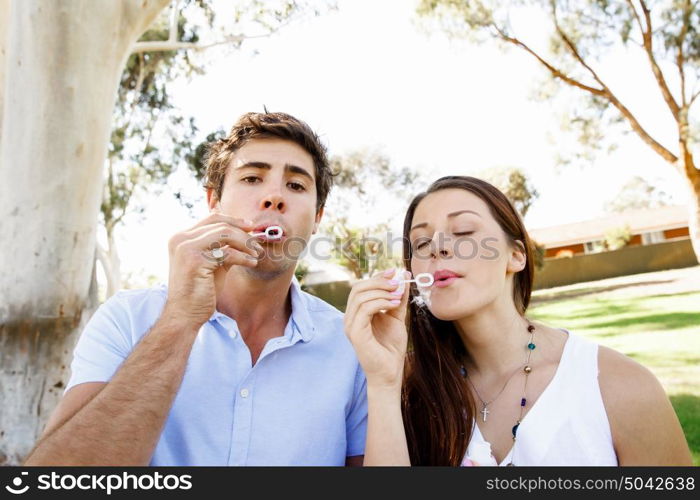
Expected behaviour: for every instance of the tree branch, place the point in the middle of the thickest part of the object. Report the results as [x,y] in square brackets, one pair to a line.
[174,16]
[607,93]
[103,259]
[119,217]
[658,74]
[137,87]
[163,46]
[680,57]
[636,16]
[173,45]
[680,62]
[574,50]
[643,134]
[555,71]
[141,13]
[604,92]
[693,97]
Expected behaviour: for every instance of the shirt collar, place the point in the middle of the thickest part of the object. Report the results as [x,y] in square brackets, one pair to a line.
[300,312]
[301,319]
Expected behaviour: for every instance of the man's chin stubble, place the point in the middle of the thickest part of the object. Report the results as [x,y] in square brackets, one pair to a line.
[269,273]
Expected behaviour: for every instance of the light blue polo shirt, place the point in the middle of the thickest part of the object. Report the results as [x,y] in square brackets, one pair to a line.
[303,403]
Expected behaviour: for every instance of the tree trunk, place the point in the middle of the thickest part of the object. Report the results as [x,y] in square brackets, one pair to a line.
[693,178]
[35,356]
[114,264]
[4,27]
[686,164]
[62,64]
[111,264]
[103,259]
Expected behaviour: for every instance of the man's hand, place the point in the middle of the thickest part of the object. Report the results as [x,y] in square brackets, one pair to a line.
[191,291]
[119,422]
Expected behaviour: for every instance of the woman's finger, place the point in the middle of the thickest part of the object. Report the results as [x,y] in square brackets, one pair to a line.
[360,311]
[400,311]
[366,290]
[381,281]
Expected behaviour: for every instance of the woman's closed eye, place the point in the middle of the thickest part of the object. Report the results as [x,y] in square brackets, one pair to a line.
[420,243]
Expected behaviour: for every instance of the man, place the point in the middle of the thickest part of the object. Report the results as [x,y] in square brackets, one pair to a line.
[232,364]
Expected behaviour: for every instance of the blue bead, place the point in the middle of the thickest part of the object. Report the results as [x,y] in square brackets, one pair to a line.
[531,346]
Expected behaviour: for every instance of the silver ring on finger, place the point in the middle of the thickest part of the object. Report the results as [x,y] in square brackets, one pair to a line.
[216,254]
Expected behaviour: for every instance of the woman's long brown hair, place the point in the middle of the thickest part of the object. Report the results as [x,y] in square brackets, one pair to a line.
[438,408]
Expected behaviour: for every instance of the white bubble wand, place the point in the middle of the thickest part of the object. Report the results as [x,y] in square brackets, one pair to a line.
[423,282]
[271,233]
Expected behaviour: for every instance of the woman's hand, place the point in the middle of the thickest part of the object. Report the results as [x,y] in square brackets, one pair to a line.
[375,323]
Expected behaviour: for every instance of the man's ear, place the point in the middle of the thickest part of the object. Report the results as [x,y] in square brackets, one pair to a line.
[518,258]
[212,199]
[319,214]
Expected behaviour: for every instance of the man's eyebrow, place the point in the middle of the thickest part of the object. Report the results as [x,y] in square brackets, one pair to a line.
[255,164]
[266,166]
[452,214]
[298,170]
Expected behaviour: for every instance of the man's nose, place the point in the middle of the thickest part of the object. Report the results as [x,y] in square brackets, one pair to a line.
[273,201]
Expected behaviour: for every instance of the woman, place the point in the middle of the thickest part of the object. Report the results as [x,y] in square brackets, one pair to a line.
[482,384]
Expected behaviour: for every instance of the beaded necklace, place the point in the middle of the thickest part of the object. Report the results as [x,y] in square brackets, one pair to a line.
[523,400]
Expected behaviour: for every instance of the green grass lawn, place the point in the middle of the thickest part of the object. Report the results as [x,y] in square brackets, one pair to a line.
[661,332]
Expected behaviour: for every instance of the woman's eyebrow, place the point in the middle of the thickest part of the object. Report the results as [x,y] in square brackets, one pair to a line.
[452,214]
[422,224]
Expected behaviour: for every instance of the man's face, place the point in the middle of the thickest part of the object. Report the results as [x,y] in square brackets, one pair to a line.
[273,183]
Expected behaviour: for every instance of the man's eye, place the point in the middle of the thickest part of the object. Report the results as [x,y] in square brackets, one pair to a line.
[251,179]
[297,186]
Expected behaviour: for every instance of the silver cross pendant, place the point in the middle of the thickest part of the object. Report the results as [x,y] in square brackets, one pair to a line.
[485,411]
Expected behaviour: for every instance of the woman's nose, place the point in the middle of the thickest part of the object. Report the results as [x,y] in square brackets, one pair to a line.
[439,246]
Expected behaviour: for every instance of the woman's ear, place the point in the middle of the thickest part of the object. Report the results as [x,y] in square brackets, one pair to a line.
[518,258]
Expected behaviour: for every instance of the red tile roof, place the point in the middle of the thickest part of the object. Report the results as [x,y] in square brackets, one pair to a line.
[639,221]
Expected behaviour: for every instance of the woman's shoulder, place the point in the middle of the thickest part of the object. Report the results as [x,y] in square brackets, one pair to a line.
[625,384]
[620,375]
[643,423]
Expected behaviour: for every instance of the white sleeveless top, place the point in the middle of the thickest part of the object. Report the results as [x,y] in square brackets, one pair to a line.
[567,424]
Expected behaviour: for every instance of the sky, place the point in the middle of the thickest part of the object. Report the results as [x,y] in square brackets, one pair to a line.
[367,76]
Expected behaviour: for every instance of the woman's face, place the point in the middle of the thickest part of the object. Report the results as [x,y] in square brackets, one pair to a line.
[455,238]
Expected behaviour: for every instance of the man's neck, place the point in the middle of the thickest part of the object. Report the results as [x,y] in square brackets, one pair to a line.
[261,307]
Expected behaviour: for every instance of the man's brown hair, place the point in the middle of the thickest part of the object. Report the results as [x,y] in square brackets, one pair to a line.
[268,126]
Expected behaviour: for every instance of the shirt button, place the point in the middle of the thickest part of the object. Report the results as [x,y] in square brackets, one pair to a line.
[244,393]
[233,334]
